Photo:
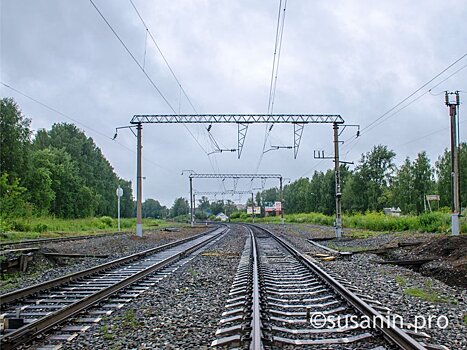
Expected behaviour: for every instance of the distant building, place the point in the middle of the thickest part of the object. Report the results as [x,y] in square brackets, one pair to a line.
[222,217]
[241,207]
[392,211]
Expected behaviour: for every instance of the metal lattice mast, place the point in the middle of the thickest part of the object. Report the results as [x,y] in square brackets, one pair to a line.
[243,121]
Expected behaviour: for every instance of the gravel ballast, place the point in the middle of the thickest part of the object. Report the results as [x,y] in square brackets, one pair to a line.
[181,312]
[395,287]
[115,246]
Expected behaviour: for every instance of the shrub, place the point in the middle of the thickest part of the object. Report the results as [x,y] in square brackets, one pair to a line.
[40,228]
[107,221]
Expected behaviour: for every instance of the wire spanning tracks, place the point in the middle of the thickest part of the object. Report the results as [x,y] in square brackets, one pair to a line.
[44,306]
[282,299]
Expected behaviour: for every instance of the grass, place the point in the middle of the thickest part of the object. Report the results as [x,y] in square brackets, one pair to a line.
[49,227]
[364,234]
[465,320]
[425,294]
[401,281]
[371,221]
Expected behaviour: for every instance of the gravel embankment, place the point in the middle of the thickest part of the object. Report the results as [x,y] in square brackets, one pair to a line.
[391,285]
[181,312]
[116,246]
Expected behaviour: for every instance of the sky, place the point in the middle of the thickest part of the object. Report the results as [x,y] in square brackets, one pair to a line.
[359,59]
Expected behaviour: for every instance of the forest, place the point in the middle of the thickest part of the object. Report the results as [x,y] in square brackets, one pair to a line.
[62,173]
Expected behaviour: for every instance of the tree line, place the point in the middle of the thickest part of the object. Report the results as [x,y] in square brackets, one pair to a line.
[374,184]
[59,172]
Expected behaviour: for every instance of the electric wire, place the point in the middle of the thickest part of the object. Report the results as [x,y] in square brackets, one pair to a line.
[413,93]
[212,140]
[274,74]
[149,78]
[144,72]
[346,144]
[87,127]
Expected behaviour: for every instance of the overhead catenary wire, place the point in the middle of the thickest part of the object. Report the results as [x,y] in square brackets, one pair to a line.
[274,73]
[84,126]
[413,93]
[354,140]
[211,138]
[149,78]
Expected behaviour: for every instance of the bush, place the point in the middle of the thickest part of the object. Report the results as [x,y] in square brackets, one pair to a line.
[107,221]
[40,228]
[20,226]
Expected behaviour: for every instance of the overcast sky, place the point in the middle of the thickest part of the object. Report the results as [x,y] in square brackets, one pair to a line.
[358,59]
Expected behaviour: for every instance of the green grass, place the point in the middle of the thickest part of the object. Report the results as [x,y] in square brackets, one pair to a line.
[364,234]
[49,227]
[401,281]
[465,320]
[371,221]
[425,294]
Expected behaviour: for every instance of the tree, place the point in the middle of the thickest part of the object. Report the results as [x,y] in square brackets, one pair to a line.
[423,180]
[14,140]
[371,179]
[443,173]
[403,188]
[127,203]
[12,199]
[73,199]
[152,208]
[91,166]
[180,207]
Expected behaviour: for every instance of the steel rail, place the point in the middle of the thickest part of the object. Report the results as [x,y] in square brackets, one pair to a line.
[57,239]
[390,331]
[21,293]
[32,330]
[256,333]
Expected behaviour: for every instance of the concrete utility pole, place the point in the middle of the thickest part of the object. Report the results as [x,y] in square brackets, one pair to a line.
[253,206]
[119,195]
[139,178]
[191,202]
[456,210]
[338,181]
[282,200]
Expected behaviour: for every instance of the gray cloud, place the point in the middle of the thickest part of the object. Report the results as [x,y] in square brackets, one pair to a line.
[354,58]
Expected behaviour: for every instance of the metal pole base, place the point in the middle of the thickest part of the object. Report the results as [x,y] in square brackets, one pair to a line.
[282,221]
[139,230]
[455,224]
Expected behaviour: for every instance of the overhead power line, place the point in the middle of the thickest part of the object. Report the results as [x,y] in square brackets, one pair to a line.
[143,70]
[394,111]
[413,93]
[274,73]
[87,127]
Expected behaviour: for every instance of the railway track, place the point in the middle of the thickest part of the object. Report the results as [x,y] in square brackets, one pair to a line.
[281,298]
[35,242]
[32,311]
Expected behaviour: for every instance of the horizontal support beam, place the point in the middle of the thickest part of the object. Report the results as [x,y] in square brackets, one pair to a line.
[237,118]
[235,176]
[214,193]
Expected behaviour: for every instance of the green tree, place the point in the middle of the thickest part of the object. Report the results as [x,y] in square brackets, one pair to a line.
[12,199]
[443,173]
[127,203]
[91,166]
[423,176]
[14,140]
[372,178]
[152,208]
[403,188]
[180,207]
[39,182]
[73,199]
